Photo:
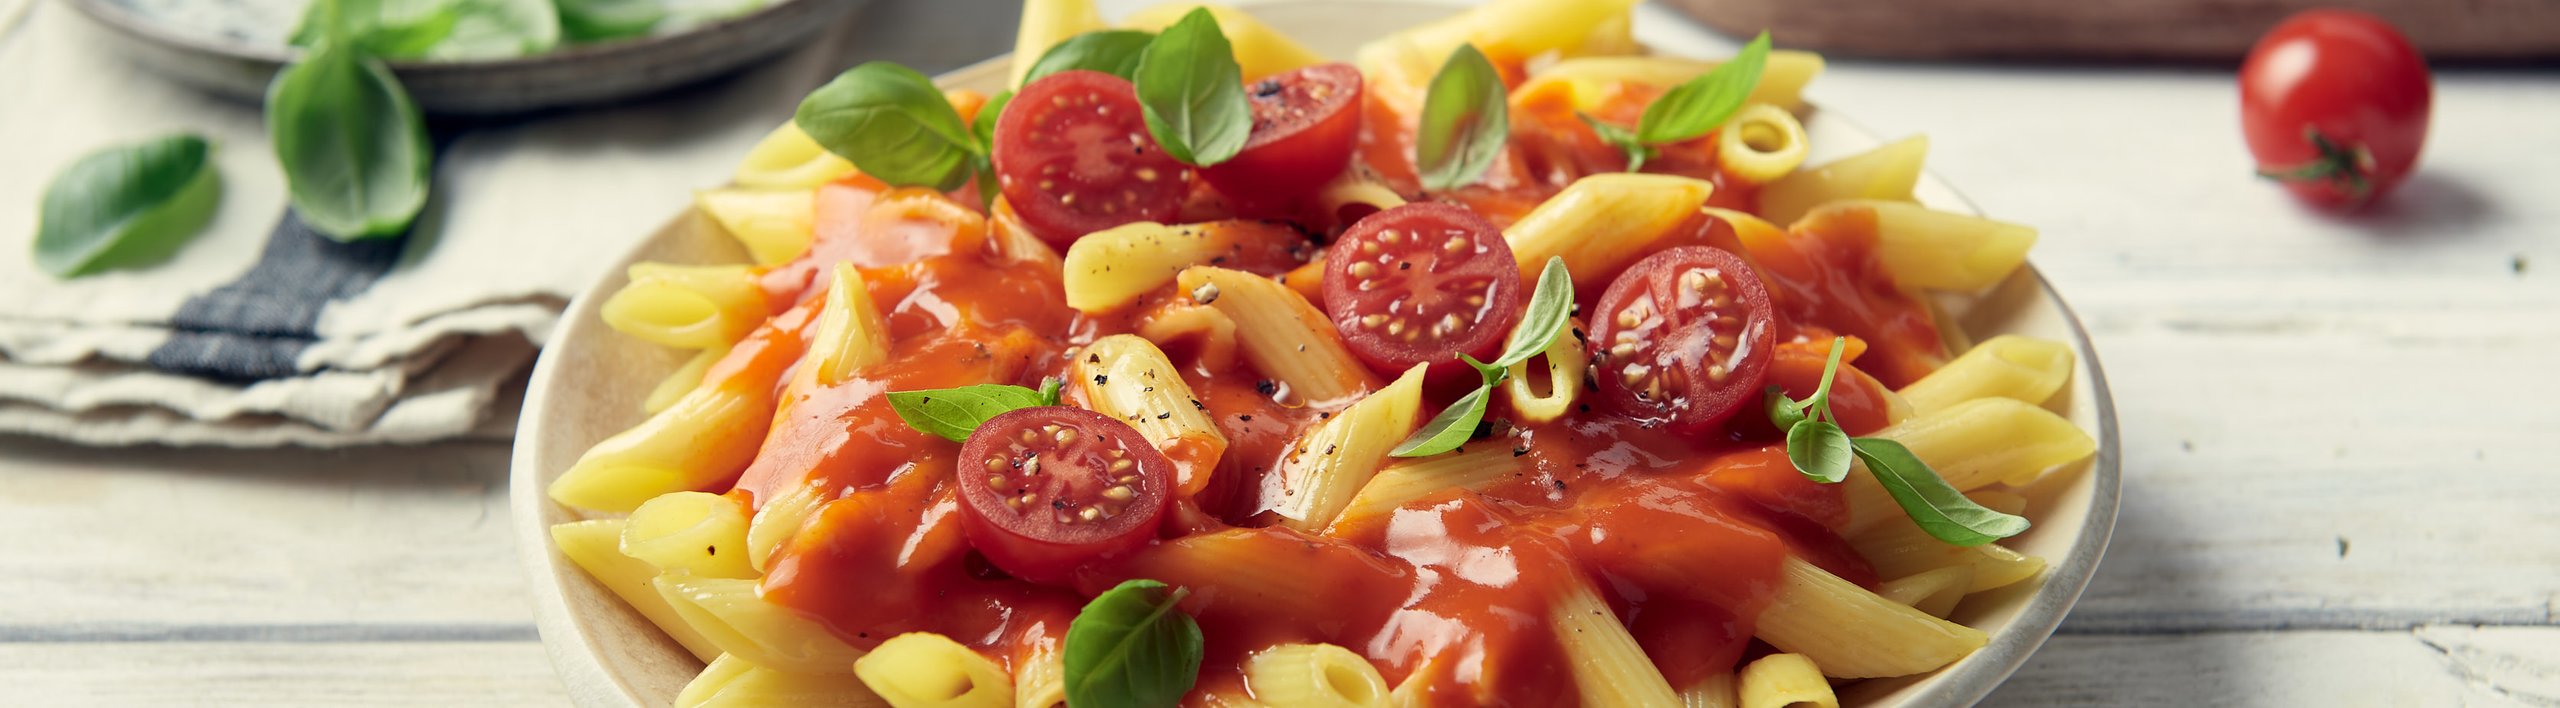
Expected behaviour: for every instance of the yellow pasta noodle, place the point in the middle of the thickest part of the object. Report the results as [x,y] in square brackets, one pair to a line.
[596,546]
[927,670]
[1934,591]
[1543,388]
[1988,440]
[1126,377]
[780,518]
[1329,464]
[731,682]
[774,225]
[698,533]
[1040,677]
[789,159]
[1259,49]
[1939,250]
[1852,633]
[1108,269]
[1785,681]
[1715,691]
[1045,23]
[1760,144]
[730,613]
[1608,667]
[1410,480]
[1601,223]
[852,335]
[688,307]
[1282,334]
[2006,502]
[1212,333]
[1898,548]
[1589,79]
[685,379]
[1314,676]
[1520,29]
[1888,172]
[2007,366]
[708,435]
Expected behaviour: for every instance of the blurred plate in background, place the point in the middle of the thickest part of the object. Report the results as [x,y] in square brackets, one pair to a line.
[238,62]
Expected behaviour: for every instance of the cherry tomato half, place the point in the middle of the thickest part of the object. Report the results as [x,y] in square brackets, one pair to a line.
[1305,123]
[1045,490]
[2334,104]
[1683,339]
[1073,156]
[1421,284]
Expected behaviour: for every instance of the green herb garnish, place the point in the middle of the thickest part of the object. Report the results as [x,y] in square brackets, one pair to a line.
[1192,92]
[1691,109]
[1821,452]
[1113,52]
[353,146]
[894,125]
[1465,121]
[1550,307]
[1131,646]
[126,204]
[954,413]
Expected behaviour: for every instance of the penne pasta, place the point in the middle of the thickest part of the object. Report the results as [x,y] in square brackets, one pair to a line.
[731,682]
[1211,333]
[1852,633]
[1601,223]
[1544,388]
[788,159]
[1126,377]
[687,307]
[1989,440]
[1329,464]
[1937,250]
[1282,334]
[2008,366]
[730,613]
[1045,23]
[852,335]
[1715,691]
[774,225]
[1315,676]
[1888,172]
[1040,677]
[1609,668]
[1897,548]
[1935,591]
[596,546]
[1109,269]
[1412,480]
[685,379]
[695,533]
[1516,30]
[708,435]
[927,670]
[1259,50]
[1785,681]
[779,519]
[1760,144]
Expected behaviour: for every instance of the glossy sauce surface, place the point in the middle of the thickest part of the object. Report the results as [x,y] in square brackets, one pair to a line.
[1448,595]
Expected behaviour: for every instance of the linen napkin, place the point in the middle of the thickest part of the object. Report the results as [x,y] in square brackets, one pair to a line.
[261,332]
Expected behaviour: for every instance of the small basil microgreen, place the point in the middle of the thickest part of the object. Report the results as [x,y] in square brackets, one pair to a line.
[1690,109]
[893,124]
[954,413]
[1550,307]
[1465,121]
[1132,646]
[1821,452]
[1192,92]
[1113,52]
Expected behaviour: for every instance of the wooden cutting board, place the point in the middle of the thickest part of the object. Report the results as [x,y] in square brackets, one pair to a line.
[2191,30]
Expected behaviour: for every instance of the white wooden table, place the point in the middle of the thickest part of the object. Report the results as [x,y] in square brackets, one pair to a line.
[2339,433]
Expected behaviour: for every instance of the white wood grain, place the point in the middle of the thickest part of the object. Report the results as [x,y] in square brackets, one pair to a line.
[2432,666]
[286,674]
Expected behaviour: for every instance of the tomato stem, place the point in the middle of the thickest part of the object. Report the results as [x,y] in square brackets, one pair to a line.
[2349,166]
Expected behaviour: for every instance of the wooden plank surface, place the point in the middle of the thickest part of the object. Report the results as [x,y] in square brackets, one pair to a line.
[2336,436]
[2213,30]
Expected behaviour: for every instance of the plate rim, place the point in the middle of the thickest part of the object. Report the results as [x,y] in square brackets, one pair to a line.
[574,654]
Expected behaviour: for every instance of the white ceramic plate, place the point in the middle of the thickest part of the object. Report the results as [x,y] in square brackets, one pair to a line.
[589,383]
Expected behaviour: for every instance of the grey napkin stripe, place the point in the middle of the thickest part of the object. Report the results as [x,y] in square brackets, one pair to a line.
[256,327]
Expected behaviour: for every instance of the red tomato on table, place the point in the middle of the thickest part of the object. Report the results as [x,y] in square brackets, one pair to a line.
[2335,105]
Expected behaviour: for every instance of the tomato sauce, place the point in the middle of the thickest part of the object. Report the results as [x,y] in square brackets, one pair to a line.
[1448,595]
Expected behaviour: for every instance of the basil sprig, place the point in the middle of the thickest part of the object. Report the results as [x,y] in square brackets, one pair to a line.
[353,146]
[126,204]
[954,413]
[600,20]
[1466,119]
[1550,307]
[1690,109]
[1192,92]
[1131,646]
[892,124]
[1821,452]
[1113,52]
[451,29]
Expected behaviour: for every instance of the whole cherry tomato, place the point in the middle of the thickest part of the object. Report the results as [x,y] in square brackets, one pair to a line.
[2335,103]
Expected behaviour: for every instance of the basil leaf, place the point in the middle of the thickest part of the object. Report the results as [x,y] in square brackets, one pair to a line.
[602,20]
[1699,105]
[1622,139]
[1113,52]
[1049,388]
[499,29]
[353,146]
[1550,306]
[1193,92]
[1938,508]
[1131,646]
[984,126]
[1466,120]
[126,204]
[391,29]
[954,413]
[1446,431]
[1784,412]
[893,124]
[1493,375]
[1819,450]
